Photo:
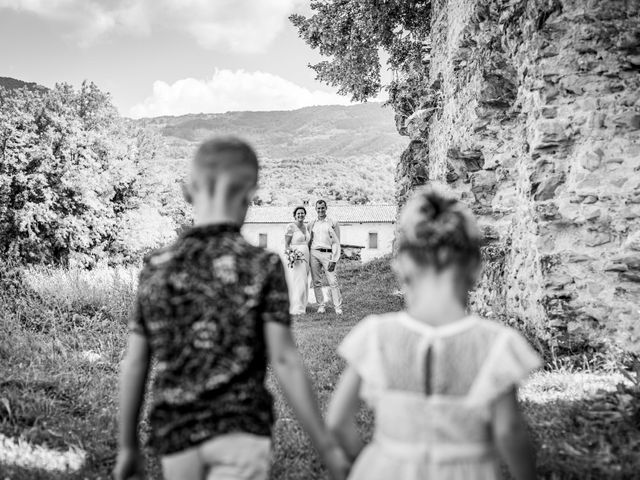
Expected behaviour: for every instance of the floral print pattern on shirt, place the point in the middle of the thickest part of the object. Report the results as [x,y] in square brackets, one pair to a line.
[202,304]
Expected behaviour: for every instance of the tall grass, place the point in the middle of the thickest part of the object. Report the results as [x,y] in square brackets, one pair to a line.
[63,332]
[102,289]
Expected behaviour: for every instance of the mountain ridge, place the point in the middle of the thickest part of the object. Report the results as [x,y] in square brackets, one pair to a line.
[342,153]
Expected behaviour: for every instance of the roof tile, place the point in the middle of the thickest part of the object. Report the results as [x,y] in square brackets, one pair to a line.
[341,213]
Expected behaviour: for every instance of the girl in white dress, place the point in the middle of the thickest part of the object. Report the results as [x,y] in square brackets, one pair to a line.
[442,383]
[297,237]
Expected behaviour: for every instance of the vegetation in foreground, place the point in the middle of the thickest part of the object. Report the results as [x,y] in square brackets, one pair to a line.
[62,334]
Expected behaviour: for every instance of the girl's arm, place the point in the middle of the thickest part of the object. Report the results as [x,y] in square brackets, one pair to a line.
[509,430]
[341,416]
[296,385]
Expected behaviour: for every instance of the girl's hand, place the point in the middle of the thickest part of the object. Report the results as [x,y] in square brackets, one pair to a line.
[337,462]
[129,465]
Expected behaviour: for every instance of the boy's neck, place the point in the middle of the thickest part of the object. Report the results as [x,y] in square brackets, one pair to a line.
[216,214]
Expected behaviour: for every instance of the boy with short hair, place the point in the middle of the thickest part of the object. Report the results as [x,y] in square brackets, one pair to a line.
[210,309]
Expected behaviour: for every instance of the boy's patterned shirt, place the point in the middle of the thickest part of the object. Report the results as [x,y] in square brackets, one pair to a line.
[202,304]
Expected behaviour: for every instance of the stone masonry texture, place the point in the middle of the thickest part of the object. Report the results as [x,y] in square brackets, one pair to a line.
[532,116]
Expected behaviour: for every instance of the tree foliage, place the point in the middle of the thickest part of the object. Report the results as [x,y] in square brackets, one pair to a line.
[352,32]
[69,170]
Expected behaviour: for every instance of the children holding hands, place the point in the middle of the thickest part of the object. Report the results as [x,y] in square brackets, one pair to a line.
[212,310]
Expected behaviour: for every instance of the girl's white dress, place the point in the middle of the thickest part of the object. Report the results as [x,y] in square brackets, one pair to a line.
[298,276]
[432,390]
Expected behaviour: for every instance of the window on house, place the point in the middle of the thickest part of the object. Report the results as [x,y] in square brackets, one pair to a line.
[262,240]
[373,240]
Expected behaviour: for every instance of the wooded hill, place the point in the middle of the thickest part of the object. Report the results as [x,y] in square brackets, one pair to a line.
[341,153]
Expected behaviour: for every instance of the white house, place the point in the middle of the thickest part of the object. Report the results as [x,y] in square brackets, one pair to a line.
[371,227]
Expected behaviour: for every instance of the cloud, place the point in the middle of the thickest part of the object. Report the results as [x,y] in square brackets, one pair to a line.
[244,26]
[231,91]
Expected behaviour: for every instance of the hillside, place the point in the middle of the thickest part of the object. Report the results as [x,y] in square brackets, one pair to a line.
[13,83]
[342,153]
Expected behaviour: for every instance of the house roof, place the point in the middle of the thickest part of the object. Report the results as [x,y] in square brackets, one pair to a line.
[341,213]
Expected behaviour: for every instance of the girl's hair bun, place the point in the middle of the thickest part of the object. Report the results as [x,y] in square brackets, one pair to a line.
[439,231]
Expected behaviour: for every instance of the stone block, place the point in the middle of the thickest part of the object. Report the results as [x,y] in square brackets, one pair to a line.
[630,276]
[558,281]
[472,158]
[547,210]
[615,267]
[483,186]
[633,242]
[548,133]
[629,213]
[547,188]
[592,213]
[417,124]
[627,119]
[595,239]
[506,199]
[591,160]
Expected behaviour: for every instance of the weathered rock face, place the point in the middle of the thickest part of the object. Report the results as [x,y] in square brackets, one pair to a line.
[535,122]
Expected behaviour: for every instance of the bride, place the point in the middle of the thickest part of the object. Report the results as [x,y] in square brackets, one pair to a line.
[297,237]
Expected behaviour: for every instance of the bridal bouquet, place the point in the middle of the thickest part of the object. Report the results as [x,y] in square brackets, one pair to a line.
[294,256]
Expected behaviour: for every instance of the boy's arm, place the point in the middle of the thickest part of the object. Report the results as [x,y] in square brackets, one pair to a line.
[341,417]
[133,379]
[292,376]
[510,433]
[135,367]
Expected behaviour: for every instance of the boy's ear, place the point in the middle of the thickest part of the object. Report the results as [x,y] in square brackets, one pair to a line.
[251,194]
[186,192]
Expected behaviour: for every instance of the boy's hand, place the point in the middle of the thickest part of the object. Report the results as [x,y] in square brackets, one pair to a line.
[332,266]
[337,462]
[129,465]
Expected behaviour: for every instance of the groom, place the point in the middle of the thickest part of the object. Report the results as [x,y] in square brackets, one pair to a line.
[325,233]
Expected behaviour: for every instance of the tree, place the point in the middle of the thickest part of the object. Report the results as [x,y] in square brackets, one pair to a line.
[352,32]
[69,170]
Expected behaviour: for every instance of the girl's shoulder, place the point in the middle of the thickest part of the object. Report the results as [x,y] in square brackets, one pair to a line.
[510,360]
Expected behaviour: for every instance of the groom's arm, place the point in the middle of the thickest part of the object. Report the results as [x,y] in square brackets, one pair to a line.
[335,250]
[336,228]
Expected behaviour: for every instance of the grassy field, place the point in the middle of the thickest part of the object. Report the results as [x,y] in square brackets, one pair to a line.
[62,336]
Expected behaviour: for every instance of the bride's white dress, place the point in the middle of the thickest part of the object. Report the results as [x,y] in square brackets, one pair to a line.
[298,276]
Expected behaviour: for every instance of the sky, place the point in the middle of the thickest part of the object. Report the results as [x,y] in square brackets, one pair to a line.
[166,57]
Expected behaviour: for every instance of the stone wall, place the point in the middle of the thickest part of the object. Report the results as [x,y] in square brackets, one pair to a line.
[532,115]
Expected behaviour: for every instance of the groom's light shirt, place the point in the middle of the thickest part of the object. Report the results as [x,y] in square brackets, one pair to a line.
[326,235]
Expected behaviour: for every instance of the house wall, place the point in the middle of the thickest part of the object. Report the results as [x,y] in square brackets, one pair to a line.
[358,234]
[351,234]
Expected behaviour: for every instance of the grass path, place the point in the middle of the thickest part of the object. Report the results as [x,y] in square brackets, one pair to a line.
[59,359]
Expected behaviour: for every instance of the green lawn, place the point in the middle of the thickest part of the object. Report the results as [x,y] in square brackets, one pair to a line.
[59,354]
